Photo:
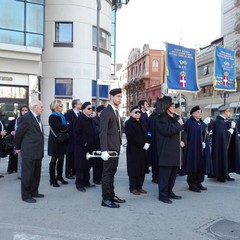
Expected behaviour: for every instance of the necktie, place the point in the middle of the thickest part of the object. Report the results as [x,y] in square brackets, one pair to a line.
[38,119]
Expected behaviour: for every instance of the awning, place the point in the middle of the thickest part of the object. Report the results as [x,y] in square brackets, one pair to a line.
[213,106]
[234,104]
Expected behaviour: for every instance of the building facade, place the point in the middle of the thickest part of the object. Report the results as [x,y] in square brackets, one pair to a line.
[145,75]
[55,49]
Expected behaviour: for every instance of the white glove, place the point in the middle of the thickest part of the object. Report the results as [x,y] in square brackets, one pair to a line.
[231,130]
[207,120]
[121,149]
[146,146]
[105,156]
[203,145]
[233,124]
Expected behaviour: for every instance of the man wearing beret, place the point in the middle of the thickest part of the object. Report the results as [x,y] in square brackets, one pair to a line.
[85,139]
[225,146]
[110,140]
[196,149]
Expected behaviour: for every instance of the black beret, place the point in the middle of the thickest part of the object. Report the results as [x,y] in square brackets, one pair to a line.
[134,107]
[85,104]
[100,108]
[115,91]
[194,109]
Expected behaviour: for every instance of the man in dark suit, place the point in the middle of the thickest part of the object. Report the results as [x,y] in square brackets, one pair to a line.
[29,141]
[71,115]
[110,140]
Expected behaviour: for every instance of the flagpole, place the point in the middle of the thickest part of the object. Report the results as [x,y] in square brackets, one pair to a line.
[180,133]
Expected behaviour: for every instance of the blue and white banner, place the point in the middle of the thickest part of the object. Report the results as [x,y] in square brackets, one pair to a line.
[224,69]
[181,68]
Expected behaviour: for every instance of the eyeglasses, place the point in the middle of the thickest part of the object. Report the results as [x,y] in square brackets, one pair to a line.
[89,108]
[137,112]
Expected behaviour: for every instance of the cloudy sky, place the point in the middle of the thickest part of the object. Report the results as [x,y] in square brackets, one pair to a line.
[191,23]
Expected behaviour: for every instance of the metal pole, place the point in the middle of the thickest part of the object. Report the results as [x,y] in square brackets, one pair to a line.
[97,54]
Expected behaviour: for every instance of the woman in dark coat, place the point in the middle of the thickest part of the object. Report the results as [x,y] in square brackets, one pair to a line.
[136,151]
[57,123]
[85,137]
[168,142]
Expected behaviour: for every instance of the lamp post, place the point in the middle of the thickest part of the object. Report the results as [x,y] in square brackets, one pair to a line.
[224,95]
[97,53]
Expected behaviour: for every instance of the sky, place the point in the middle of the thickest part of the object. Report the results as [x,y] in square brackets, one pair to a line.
[190,23]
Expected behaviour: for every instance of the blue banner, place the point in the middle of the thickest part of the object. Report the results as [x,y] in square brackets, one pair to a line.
[181,68]
[224,77]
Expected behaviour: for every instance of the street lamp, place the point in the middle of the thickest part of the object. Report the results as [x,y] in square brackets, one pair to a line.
[98,53]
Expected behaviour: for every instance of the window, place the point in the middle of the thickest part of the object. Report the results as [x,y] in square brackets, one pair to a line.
[63,87]
[205,70]
[63,34]
[104,40]
[154,65]
[21,21]
[206,91]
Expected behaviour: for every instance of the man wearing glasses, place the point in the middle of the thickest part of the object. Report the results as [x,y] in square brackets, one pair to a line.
[137,145]
[85,139]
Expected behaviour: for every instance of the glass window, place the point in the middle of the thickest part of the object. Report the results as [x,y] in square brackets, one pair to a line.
[63,87]
[63,32]
[36,1]
[11,37]
[12,15]
[104,39]
[34,18]
[34,40]
[103,90]
[13,92]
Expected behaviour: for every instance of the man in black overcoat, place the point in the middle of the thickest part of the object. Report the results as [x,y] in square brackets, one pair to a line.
[196,149]
[71,115]
[85,139]
[225,146]
[136,147]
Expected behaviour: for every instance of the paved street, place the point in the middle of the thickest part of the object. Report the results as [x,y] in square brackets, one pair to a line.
[65,213]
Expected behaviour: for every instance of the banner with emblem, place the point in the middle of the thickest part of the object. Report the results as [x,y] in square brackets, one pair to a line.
[181,68]
[224,69]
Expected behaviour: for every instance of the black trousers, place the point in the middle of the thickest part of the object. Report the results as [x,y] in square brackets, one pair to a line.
[97,164]
[109,170]
[136,182]
[12,163]
[69,165]
[166,180]
[31,174]
[195,178]
[82,177]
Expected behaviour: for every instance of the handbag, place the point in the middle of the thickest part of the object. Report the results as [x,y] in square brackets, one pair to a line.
[7,143]
[61,136]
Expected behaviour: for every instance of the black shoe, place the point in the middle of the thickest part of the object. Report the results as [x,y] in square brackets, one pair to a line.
[39,195]
[194,189]
[70,176]
[201,187]
[230,179]
[155,181]
[174,196]
[62,180]
[142,190]
[54,183]
[30,200]
[90,185]
[1,176]
[98,182]
[166,200]
[118,200]
[110,204]
[81,189]
[221,179]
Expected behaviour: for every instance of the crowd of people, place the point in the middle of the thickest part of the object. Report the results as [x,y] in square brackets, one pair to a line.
[163,140]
